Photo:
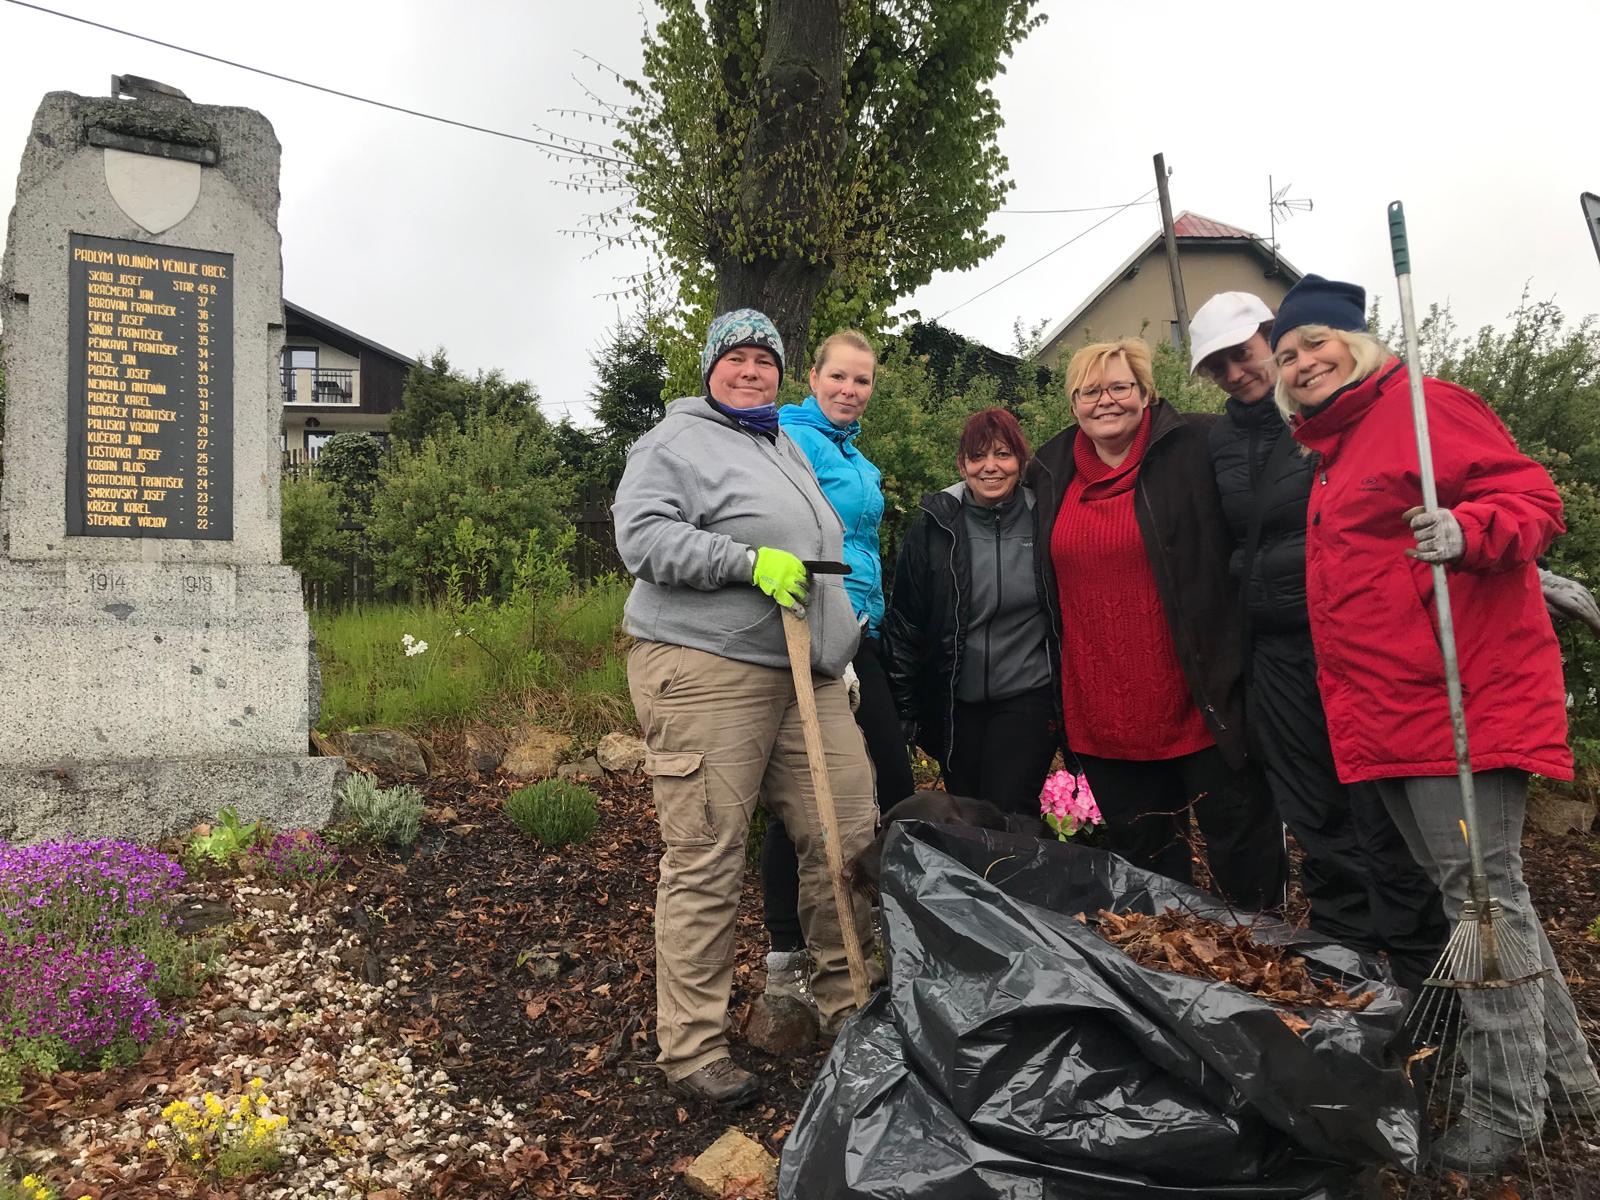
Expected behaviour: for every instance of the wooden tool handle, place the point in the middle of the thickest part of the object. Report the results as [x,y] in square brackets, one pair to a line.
[798,636]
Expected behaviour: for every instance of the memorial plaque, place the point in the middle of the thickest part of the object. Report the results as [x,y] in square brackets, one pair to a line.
[150,391]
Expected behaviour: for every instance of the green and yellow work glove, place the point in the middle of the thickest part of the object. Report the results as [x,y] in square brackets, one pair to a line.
[780,575]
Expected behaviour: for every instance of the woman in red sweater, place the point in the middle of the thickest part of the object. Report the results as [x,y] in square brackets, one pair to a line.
[1134,548]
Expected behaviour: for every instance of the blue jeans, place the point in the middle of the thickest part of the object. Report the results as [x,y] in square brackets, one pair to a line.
[1521,1044]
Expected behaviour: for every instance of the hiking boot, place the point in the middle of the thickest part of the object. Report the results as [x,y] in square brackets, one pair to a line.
[1473,1149]
[1565,1106]
[720,1082]
[789,975]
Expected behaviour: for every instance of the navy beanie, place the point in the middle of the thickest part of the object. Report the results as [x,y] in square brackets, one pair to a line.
[1318,301]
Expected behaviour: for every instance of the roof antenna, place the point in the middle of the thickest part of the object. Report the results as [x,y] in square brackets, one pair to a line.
[1280,207]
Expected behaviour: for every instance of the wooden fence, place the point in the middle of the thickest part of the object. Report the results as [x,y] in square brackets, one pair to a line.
[594,551]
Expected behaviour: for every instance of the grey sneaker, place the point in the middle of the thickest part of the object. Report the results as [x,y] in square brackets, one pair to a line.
[789,975]
[720,1082]
[1473,1149]
[1565,1106]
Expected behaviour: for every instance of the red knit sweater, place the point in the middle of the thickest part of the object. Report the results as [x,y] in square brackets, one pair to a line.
[1123,693]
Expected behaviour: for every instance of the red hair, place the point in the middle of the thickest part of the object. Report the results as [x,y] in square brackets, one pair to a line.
[991,426]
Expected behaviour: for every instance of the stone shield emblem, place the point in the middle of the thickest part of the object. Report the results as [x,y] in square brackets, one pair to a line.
[156,193]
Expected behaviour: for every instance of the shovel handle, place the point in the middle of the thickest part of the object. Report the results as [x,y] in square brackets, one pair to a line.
[1397,239]
[797,635]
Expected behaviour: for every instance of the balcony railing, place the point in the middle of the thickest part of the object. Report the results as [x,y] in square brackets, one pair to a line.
[320,385]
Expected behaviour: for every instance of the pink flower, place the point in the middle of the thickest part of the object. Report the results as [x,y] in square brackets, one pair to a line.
[1067,804]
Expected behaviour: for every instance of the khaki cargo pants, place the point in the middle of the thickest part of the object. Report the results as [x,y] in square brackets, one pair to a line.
[722,734]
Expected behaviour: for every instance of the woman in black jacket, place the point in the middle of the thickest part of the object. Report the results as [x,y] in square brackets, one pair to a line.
[966,637]
[1363,887]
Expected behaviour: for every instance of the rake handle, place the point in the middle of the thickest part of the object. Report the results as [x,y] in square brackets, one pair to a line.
[1401,252]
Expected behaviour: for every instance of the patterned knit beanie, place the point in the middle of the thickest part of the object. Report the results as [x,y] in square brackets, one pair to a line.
[741,327]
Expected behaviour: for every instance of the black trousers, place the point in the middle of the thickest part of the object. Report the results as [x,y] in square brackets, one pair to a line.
[880,727]
[1000,750]
[1364,888]
[1145,806]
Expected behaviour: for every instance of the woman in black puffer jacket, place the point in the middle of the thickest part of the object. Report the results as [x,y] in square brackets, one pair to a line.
[1364,888]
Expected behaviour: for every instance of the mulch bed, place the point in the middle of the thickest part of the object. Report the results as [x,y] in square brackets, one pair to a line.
[533,980]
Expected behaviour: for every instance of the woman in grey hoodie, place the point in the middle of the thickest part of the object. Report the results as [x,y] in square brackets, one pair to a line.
[716,512]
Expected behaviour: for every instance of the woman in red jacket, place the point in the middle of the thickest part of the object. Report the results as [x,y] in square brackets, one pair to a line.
[1369,588]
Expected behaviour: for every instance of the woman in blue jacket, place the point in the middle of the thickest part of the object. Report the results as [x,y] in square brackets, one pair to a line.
[825,428]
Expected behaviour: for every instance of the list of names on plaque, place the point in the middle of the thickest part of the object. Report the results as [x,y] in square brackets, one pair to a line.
[150,406]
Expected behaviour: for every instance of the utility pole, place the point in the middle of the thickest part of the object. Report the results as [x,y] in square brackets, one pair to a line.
[1178,302]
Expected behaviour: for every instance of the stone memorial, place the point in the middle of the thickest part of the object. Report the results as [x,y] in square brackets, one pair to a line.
[153,647]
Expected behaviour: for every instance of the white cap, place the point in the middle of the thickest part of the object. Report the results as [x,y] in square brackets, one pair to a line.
[1224,321]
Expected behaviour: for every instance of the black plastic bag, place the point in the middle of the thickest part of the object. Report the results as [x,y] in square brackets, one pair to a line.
[1018,1054]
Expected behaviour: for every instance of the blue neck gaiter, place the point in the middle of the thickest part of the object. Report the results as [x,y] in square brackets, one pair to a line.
[763,419]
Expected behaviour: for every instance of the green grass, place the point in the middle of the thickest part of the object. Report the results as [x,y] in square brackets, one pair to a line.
[555,657]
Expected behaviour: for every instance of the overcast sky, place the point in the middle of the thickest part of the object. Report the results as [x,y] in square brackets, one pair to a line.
[1480,117]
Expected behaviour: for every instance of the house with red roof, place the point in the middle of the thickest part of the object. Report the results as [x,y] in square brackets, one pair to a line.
[1135,300]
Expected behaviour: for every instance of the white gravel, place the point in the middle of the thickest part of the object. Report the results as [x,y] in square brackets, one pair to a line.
[362,1115]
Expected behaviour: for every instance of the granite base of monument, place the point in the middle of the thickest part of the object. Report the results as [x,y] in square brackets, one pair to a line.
[154,694]
[153,648]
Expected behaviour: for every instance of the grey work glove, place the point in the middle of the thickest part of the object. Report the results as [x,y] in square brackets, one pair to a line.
[1438,534]
[1569,600]
[852,683]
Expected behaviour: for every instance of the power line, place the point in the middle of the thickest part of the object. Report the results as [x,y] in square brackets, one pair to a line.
[316,87]
[1092,208]
[1047,254]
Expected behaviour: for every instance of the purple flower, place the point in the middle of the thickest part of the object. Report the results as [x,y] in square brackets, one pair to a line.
[296,854]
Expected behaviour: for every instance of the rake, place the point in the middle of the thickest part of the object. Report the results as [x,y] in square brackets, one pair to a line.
[1481,1023]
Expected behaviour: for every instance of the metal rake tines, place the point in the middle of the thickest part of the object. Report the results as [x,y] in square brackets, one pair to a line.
[1491,1046]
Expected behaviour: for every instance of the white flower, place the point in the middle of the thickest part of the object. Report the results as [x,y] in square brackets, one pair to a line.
[407,640]
[415,648]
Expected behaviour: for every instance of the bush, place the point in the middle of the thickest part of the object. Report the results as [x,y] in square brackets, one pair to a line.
[453,516]
[554,811]
[392,815]
[313,543]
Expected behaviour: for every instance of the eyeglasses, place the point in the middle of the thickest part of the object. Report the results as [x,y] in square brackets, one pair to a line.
[1120,390]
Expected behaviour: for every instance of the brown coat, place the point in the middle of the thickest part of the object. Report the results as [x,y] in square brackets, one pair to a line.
[1187,539]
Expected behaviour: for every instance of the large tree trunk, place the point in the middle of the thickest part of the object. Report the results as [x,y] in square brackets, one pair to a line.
[775,259]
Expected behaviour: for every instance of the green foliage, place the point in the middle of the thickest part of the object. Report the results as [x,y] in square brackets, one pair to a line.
[910,432]
[1174,384]
[630,374]
[454,514]
[1593,929]
[36,1055]
[392,815]
[439,397]
[556,812]
[860,156]
[223,841]
[349,464]
[313,542]
[549,650]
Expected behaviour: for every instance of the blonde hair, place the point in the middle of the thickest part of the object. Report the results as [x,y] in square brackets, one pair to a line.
[1092,360]
[1368,352]
[853,338]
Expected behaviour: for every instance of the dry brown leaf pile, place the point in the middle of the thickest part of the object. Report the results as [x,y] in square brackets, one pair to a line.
[1200,948]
